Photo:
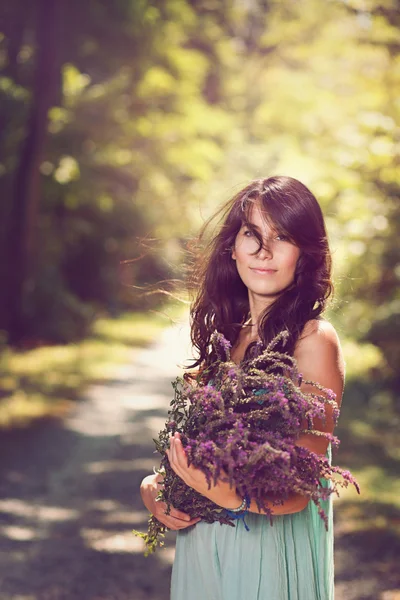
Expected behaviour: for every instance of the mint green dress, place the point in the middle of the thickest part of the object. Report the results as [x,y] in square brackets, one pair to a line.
[290,560]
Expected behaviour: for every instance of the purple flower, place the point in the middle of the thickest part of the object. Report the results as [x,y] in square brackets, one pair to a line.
[244,427]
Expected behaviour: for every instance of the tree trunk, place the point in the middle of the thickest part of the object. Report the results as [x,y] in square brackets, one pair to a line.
[20,279]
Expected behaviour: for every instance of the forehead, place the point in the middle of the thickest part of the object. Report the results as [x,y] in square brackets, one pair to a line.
[256,214]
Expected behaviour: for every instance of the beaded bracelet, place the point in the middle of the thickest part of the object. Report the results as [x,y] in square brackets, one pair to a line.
[242,507]
[241,512]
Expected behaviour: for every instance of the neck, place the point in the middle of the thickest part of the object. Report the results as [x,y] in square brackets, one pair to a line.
[258,304]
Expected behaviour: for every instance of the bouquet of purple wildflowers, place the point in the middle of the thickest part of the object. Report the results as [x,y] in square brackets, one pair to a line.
[242,427]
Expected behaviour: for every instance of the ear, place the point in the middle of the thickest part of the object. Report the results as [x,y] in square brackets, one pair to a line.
[233,255]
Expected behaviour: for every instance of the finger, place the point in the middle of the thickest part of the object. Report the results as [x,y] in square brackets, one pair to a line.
[171,457]
[180,523]
[168,456]
[176,524]
[168,519]
[173,454]
[178,460]
[173,465]
[178,514]
[169,443]
[184,524]
[180,454]
[174,512]
[169,451]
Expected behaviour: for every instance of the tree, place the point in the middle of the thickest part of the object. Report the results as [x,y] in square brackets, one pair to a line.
[23,215]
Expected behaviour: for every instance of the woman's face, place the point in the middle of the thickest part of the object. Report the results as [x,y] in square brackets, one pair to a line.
[265,271]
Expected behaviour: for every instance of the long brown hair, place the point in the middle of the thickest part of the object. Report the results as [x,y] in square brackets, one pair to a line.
[221,301]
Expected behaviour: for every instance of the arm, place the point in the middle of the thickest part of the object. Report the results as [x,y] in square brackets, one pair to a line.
[221,493]
[319,358]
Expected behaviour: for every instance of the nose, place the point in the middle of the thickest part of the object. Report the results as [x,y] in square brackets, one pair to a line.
[266,250]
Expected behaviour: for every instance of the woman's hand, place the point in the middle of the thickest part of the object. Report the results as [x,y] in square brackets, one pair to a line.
[176,519]
[221,493]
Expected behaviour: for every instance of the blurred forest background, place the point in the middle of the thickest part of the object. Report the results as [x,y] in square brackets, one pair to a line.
[124,124]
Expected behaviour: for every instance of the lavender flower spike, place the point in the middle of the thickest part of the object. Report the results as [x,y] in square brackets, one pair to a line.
[221,345]
[244,429]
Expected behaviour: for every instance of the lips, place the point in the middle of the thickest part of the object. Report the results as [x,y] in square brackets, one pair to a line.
[263,271]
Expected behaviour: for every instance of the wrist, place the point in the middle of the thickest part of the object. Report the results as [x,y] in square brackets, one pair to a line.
[241,511]
[236,503]
[243,506]
[228,499]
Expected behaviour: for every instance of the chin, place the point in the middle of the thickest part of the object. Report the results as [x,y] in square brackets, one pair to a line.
[265,291]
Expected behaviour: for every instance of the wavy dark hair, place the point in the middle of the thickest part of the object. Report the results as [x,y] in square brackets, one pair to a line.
[221,301]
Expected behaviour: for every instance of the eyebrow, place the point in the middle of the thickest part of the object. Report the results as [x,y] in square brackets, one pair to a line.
[254,226]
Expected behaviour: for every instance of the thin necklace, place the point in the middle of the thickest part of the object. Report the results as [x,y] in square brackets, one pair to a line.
[248,322]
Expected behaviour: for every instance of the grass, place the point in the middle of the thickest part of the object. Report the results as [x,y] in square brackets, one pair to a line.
[47,381]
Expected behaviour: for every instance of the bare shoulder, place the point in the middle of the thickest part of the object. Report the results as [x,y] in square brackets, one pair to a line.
[319,333]
[319,355]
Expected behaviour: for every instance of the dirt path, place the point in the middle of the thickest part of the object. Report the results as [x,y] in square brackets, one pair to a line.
[69,494]
[69,491]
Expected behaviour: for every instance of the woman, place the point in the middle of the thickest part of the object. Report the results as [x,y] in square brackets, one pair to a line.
[267,269]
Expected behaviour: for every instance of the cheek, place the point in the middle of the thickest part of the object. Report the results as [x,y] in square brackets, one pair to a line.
[244,249]
[237,252]
[240,257]
[287,258]
[292,259]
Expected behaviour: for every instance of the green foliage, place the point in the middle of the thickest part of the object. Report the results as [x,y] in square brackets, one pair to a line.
[161,111]
[165,109]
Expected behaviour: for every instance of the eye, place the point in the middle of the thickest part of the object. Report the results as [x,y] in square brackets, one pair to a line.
[281,237]
[247,233]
